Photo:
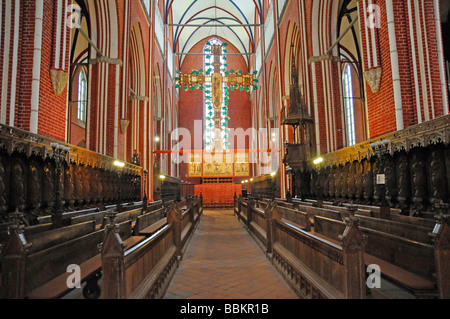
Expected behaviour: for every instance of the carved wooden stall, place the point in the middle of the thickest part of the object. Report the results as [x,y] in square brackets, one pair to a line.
[416,169]
[29,179]
[314,267]
[166,187]
[145,271]
[266,186]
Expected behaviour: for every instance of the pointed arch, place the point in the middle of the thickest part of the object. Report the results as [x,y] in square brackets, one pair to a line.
[137,104]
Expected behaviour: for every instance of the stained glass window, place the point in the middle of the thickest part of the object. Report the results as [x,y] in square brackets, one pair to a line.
[82,96]
[349,112]
[215,137]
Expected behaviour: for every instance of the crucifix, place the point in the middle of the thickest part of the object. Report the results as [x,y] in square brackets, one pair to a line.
[216,82]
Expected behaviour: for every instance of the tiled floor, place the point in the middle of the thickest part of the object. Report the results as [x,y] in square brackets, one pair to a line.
[223,261]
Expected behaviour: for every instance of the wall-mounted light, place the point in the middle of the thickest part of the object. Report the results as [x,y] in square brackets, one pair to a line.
[273,174]
[318,161]
[162,177]
[157,139]
[119,164]
[251,179]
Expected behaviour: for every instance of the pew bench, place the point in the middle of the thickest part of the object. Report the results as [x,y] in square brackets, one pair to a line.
[317,211]
[44,273]
[403,262]
[297,218]
[153,228]
[90,271]
[417,285]
[66,215]
[131,215]
[143,271]
[43,240]
[401,229]
[96,216]
[317,268]
[149,223]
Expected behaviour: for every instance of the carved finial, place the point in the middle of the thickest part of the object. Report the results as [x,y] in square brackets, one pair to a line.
[352,233]
[111,215]
[352,208]
[352,220]
[442,208]
[16,219]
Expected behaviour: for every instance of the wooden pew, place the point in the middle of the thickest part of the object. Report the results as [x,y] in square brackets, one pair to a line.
[400,229]
[149,223]
[394,215]
[317,211]
[297,218]
[47,239]
[97,217]
[348,211]
[67,215]
[309,208]
[124,216]
[154,206]
[257,224]
[144,272]
[319,269]
[374,209]
[189,220]
[407,263]
[241,210]
[43,274]
[418,221]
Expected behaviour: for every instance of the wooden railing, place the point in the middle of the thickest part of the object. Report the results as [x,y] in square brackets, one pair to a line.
[305,243]
[314,267]
[145,271]
[35,259]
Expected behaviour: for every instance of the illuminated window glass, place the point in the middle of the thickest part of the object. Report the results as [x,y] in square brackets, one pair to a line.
[349,113]
[82,96]
[214,135]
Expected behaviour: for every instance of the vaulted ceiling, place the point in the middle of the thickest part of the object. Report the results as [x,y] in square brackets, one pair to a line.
[234,20]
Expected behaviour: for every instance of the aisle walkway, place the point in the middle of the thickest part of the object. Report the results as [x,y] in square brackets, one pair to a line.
[223,261]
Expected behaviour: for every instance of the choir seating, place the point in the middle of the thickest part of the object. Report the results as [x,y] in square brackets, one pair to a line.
[36,260]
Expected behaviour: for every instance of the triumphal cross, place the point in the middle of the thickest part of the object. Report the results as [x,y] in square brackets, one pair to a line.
[216,82]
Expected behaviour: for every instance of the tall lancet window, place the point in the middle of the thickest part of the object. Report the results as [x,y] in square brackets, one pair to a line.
[349,111]
[216,113]
[82,95]
[354,112]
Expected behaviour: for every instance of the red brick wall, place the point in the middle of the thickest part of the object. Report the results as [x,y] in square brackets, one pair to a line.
[52,108]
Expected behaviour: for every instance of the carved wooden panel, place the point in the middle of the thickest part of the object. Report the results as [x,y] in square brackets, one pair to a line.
[418,178]
[34,184]
[28,177]
[367,181]
[17,184]
[437,175]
